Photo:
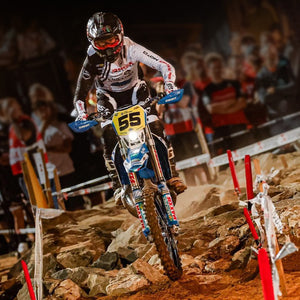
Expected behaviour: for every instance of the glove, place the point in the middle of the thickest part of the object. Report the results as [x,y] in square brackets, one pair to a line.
[82,115]
[170,87]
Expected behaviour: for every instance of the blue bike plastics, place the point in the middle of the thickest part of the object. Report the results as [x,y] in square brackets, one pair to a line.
[173,97]
[82,126]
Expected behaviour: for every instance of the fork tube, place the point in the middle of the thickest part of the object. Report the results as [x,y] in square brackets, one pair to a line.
[138,198]
[154,155]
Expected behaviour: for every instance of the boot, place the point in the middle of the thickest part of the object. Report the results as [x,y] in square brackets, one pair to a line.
[116,185]
[175,182]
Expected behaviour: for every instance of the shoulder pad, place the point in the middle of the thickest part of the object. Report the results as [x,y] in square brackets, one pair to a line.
[91,51]
[128,41]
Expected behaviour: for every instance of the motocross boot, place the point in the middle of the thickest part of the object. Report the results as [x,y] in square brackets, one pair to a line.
[113,174]
[175,183]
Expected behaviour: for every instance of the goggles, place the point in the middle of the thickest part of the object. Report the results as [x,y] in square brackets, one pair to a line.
[104,43]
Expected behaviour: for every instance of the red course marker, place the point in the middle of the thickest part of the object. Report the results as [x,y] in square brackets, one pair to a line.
[248,173]
[265,274]
[233,173]
[28,280]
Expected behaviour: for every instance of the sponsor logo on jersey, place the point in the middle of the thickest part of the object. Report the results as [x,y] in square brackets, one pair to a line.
[122,68]
[150,55]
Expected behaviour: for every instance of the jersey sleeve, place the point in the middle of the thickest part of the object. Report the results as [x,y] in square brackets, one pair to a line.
[152,60]
[85,81]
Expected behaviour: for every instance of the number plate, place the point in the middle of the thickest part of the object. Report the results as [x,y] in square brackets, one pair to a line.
[133,118]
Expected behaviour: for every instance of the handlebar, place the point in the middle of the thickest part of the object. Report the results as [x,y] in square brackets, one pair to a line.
[97,117]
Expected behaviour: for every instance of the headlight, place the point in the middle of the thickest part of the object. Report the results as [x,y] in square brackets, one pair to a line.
[133,135]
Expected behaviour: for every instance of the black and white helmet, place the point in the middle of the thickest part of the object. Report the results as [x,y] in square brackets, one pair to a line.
[105,33]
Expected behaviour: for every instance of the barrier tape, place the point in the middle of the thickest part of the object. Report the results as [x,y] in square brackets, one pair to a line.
[94,189]
[253,149]
[71,188]
[21,230]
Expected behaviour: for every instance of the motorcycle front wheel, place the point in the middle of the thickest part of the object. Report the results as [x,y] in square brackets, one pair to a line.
[164,239]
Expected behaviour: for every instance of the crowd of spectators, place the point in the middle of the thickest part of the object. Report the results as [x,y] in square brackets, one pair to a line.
[239,93]
[223,95]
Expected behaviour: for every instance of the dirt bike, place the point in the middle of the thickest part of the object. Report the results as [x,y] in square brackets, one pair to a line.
[141,158]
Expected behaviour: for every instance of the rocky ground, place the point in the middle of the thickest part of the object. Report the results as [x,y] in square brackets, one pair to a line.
[102,254]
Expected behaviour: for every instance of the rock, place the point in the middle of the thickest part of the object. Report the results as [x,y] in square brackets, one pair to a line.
[51,284]
[76,255]
[68,290]
[229,245]
[217,266]
[198,244]
[187,260]
[154,260]
[127,255]
[49,264]
[65,218]
[77,275]
[223,246]
[153,275]
[240,259]
[123,239]
[222,209]
[23,293]
[129,284]
[107,261]
[62,274]
[97,284]
[143,250]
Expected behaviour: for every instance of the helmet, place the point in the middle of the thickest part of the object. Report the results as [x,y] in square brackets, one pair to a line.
[105,33]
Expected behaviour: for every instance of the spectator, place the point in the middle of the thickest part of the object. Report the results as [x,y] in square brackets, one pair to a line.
[23,137]
[282,44]
[58,142]
[39,92]
[275,84]
[182,123]
[193,66]
[244,69]
[10,193]
[235,44]
[34,41]
[224,101]
[285,46]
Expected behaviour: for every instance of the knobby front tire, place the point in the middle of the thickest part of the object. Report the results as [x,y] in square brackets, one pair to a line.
[166,246]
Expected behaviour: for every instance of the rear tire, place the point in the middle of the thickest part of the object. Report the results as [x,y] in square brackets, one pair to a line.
[164,240]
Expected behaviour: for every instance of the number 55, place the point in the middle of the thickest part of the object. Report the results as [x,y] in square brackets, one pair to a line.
[133,120]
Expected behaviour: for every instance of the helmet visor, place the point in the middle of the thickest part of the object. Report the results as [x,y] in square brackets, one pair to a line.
[110,41]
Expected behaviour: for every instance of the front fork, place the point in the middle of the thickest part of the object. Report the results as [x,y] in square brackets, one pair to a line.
[137,194]
[150,187]
[162,186]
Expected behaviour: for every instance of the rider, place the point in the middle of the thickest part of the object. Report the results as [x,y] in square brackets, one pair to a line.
[112,65]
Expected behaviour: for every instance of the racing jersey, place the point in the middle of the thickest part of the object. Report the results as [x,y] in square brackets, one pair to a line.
[122,74]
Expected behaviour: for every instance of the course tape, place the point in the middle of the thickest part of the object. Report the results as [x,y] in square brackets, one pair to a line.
[253,149]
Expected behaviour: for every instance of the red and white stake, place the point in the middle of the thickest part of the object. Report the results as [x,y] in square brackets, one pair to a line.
[263,259]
